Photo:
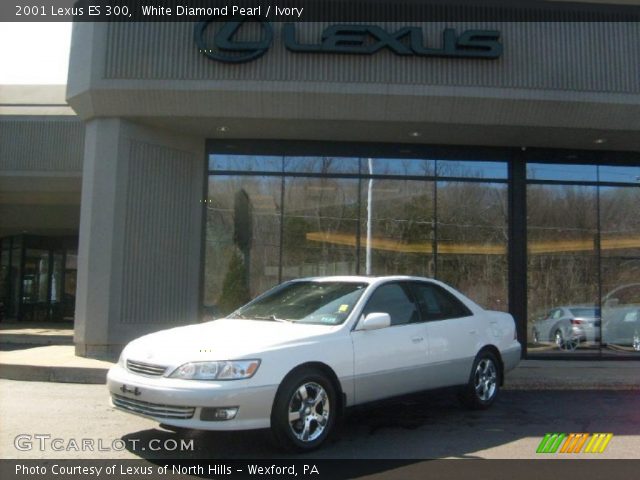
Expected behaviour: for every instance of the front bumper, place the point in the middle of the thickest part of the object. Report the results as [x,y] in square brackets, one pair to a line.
[180,403]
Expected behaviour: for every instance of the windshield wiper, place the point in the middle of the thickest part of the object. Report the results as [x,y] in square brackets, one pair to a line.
[273,318]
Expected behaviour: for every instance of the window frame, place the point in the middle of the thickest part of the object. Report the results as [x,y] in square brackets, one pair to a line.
[413,284]
[404,285]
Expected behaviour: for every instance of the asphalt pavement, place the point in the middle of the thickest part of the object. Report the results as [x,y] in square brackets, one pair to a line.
[419,427]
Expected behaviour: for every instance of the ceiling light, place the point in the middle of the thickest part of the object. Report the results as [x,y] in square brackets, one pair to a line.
[414,134]
[600,141]
[223,129]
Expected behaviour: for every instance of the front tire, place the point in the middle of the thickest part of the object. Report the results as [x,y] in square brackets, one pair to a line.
[304,412]
[484,382]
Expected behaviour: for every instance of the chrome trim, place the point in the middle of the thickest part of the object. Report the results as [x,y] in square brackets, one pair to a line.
[152,409]
[148,369]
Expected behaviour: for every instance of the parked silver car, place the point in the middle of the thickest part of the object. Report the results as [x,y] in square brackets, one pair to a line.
[621,317]
[568,326]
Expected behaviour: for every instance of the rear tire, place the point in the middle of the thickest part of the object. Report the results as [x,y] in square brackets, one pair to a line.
[569,344]
[304,411]
[484,382]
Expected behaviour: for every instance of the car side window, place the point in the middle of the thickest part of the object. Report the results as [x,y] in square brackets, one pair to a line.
[393,299]
[557,314]
[436,303]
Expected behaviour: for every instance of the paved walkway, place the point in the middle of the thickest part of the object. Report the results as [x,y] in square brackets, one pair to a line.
[45,352]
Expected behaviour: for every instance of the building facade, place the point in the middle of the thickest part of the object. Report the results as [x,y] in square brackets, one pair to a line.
[502,157]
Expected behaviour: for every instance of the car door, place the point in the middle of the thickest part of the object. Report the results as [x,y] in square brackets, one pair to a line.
[390,361]
[452,333]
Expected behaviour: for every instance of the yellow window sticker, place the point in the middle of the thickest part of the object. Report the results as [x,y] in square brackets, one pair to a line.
[343,308]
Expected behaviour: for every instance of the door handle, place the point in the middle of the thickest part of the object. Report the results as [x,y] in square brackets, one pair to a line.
[417,339]
[472,332]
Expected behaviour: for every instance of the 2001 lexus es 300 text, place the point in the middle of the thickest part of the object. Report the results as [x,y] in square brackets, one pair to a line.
[295,357]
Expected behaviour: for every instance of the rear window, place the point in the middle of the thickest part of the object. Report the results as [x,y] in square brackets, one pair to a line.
[585,312]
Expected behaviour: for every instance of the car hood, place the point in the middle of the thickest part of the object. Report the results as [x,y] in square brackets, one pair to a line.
[221,340]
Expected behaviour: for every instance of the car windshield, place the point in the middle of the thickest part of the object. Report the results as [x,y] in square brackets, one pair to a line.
[326,303]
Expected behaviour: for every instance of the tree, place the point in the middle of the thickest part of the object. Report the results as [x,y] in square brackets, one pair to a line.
[235,289]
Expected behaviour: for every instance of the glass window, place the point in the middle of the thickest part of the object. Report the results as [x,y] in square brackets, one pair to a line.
[436,303]
[319,231]
[472,233]
[403,167]
[608,173]
[242,240]
[245,163]
[397,227]
[559,172]
[35,280]
[326,303]
[321,165]
[472,169]
[620,268]
[392,299]
[562,240]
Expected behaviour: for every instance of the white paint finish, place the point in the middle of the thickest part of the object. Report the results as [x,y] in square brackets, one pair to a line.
[370,365]
[389,360]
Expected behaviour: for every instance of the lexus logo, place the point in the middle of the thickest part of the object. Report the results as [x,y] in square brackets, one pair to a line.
[224,45]
[226,48]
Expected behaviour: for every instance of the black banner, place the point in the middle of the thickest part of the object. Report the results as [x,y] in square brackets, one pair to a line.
[309,468]
[312,10]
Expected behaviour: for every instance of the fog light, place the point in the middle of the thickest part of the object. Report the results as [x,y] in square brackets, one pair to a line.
[218,414]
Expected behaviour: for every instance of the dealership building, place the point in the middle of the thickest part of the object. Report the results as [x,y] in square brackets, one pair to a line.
[190,166]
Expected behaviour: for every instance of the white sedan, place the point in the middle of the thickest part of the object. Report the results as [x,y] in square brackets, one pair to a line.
[295,357]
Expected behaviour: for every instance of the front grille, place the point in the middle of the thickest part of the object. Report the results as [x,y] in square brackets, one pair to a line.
[145,368]
[152,409]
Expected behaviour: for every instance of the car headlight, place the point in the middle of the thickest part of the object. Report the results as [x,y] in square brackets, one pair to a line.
[222,370]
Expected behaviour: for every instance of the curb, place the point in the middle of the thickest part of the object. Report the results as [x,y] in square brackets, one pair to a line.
[33,373]
[35,339]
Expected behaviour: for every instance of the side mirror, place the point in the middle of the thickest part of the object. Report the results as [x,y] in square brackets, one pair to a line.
[375,321]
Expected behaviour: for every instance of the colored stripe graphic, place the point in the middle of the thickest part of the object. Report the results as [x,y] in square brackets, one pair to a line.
[574,443]
[598,442]
[550,443]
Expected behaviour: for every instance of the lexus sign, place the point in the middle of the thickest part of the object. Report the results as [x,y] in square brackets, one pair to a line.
[218,41]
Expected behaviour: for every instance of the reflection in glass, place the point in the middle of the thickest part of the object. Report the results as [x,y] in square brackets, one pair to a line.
[319,229]
[245,163]
[471,169]
[553,171]
[397,227]
[403,167]
[472,240]
[321,165]
[620,264]
[242,240]
[562,281]
[610,173]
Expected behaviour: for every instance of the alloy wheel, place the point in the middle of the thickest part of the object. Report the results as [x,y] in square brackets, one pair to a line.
[485,379]
[309,411]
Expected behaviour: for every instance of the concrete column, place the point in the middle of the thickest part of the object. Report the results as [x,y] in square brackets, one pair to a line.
[140,234]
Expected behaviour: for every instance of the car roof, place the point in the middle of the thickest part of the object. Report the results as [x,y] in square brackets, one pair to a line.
[362,278]
[378,280]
